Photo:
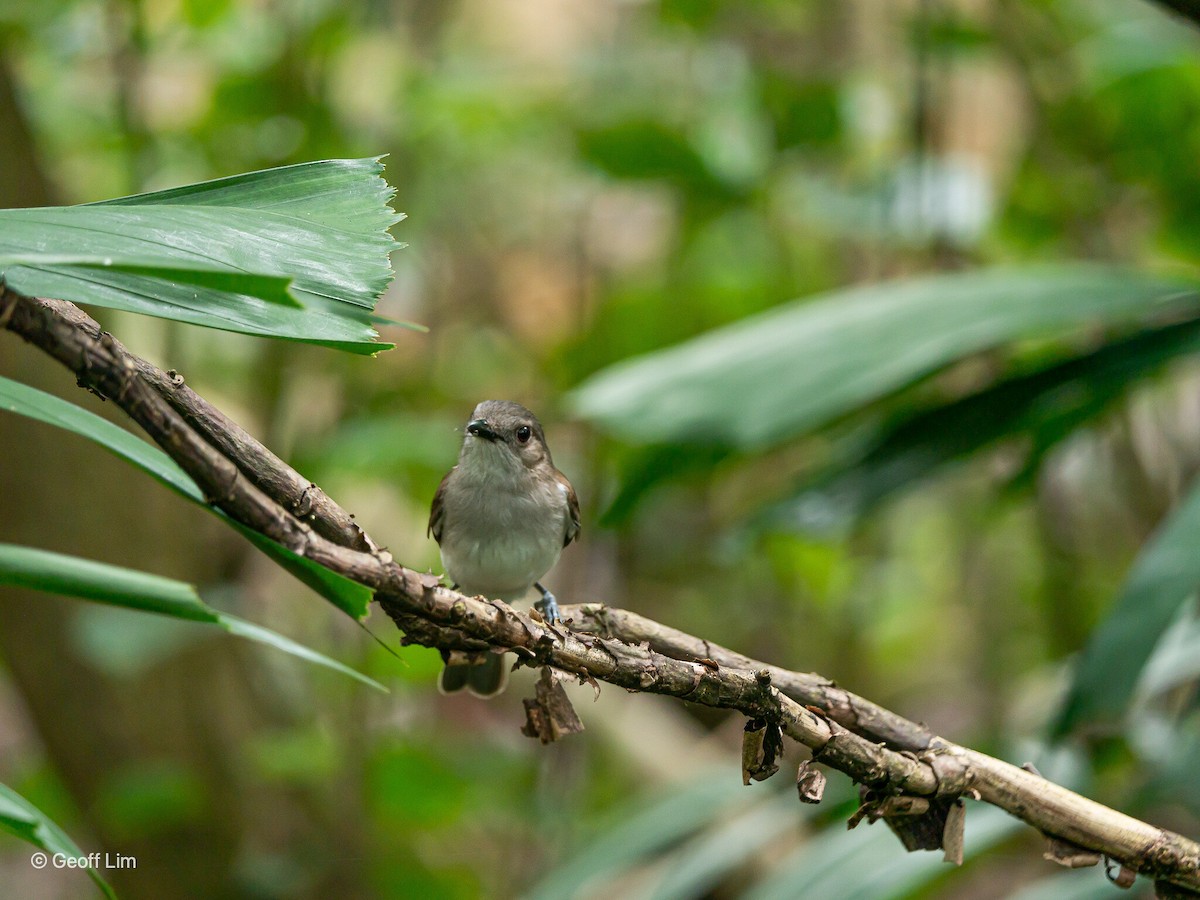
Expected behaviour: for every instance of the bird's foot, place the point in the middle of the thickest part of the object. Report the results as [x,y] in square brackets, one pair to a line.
[548,606]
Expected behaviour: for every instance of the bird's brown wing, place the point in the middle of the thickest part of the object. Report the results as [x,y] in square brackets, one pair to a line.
[437,511]
[572,531]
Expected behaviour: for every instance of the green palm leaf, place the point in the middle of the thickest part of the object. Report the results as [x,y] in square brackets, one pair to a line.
[299,252]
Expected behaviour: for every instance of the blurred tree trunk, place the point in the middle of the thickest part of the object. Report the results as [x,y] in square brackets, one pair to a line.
[191,715]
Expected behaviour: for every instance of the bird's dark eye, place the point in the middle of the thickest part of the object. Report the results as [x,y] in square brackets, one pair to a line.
[524,433]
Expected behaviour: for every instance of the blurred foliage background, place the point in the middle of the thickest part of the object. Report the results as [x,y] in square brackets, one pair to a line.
[586,181]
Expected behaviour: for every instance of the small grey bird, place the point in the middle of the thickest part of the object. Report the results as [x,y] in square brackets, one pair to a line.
[501,518]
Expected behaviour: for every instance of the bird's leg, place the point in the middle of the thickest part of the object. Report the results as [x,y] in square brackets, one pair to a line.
[547,605]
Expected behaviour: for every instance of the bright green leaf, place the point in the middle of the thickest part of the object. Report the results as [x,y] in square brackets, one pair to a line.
[22,819]
[223,253]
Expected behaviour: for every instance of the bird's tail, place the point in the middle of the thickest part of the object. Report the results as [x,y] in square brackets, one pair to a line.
[484,679]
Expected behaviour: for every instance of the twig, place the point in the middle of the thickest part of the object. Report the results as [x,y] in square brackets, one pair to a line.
[874,746]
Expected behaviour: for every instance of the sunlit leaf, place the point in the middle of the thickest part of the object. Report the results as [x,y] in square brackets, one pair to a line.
[22,819]
[1165,574]
[299,252]
[56,573]
[349,596]
[776,375]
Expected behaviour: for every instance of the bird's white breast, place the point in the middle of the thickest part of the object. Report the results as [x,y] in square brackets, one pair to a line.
[503,533]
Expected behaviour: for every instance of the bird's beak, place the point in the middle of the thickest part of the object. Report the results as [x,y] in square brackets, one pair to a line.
[480,429]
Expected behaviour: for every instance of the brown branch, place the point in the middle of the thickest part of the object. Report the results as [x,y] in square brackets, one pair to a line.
[268,472]
[849,710]
[873,745]
[1060,812]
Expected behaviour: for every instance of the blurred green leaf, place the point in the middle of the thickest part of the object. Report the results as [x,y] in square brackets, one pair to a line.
[1165,574]
[1046,404]
[641,834]
[111,641]
[417,787]
[1086,884]
[731,843]
[148,797]
[874,865]
[802,112]
[386,445]
[222,253]
[23,820]
[56,573]
[349,596]
[645,149]
[776,375]
[306,754]
[644,467]
[1176,658]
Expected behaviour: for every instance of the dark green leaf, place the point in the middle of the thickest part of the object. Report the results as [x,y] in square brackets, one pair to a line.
[776,375]
[731,843]
[1046,405]
[55,573]
[349,596]
[1165,574]
[644,467]
[273,289]
[28,401]
[646,149]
